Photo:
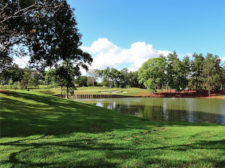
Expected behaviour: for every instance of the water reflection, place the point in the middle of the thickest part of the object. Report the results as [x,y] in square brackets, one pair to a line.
[168,109]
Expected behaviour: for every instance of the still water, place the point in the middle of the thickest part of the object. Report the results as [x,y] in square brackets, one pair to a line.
[167,109]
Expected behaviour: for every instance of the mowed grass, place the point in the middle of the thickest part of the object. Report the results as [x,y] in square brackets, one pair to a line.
[89,90]
[39,130]
[98,90]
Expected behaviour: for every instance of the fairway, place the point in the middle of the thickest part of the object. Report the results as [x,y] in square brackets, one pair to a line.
[39,130]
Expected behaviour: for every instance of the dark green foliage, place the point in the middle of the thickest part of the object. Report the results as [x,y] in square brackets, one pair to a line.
[152,73]
[46,28]
[119,78]
[197,66]
[81,81]
[212,73]
[200,73]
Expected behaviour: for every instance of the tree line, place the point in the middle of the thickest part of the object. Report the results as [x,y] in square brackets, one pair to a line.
[165,72]
[46,31]
[198,73]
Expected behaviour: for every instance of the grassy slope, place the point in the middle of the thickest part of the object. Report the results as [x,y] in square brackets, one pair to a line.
[45,131]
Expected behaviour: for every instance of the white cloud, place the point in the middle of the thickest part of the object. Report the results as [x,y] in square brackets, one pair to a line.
[22,62]
[107,54]
[223,59]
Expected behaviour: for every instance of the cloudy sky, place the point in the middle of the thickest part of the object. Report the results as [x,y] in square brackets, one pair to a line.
[125,33]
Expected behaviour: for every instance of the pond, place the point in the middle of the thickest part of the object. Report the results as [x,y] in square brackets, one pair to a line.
[167,109]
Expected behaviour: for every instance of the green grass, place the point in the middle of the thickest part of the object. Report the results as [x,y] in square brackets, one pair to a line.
[39,130]
[116,91]
[89,90]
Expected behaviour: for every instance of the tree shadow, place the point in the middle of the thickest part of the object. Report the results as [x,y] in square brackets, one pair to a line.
[113,151]
[33,114]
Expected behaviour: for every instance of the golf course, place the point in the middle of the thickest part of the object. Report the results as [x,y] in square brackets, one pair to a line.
[40,130]
[112,84]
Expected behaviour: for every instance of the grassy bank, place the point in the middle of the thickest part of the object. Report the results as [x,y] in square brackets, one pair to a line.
[111,91]
[45,131]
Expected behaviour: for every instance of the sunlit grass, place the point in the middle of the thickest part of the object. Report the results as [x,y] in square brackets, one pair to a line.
[89,90]
[46,131]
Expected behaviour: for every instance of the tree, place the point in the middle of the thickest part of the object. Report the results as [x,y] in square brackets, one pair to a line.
[91,81]
[11,74]
[172,68]
[197,71]
[124,80]
[50,77]
[65,77]
[152,73]
[107,76]
[133,79]
[212,73]
[46,29]
[81,81]
[21,21]
[93,76]
[186,71]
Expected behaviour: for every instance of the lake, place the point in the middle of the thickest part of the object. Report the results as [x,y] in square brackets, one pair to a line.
[167,109]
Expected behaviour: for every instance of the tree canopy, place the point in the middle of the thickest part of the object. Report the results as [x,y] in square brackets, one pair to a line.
[201,73]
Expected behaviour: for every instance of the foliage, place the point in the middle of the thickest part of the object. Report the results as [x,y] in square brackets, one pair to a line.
[152,73]
[212,72]
[200,73]
[197,66]
[44,29]
[118,78]
[81,81]
[92,80]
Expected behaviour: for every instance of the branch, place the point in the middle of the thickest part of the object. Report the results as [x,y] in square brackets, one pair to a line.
[25,10]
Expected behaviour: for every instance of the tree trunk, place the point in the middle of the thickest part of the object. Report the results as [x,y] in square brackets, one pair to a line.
[61,91]
[67,92]
[167,83]
[209,93]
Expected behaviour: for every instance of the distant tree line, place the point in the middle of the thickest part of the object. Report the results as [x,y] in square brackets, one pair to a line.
[199,73]
[112,77]
[46,31]
[164,72]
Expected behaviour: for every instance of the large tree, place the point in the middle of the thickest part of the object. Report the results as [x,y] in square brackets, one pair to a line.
[46,30]
[18,20]
[212,73]
[152,73]
[197,71]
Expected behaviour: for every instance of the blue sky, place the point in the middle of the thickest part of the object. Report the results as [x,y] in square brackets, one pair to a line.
[186,26]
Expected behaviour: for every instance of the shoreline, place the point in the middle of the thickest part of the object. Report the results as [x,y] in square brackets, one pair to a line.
[173,94]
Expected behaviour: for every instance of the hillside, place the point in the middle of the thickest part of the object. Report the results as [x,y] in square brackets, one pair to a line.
[39,130]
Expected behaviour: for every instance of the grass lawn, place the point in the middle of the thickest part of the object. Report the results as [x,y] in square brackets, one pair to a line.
[90,90]
[39,130]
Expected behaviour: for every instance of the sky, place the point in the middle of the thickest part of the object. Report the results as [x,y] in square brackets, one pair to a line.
[125,33]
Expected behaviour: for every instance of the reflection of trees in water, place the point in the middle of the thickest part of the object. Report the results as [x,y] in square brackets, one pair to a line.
[169,109]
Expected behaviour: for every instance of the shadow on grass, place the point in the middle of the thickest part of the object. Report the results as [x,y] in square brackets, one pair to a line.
[26,114]
[153,155]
